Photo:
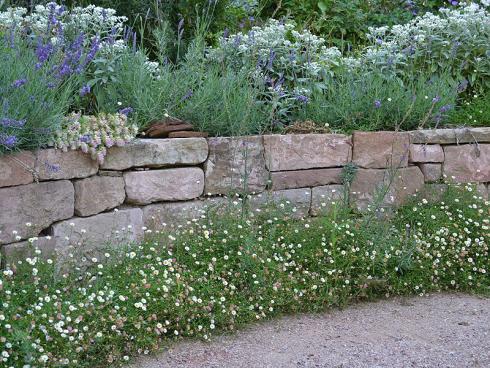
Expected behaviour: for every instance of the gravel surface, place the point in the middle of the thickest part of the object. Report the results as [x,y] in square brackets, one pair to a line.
[445,330]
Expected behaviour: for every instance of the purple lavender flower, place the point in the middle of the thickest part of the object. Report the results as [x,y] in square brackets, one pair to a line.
[85,90]
[272,57]
[377,104]
[8,141]
[454,3]
[445,108]
[19,83]
[226,33]
[302,98]
[43,52]
[436,99]
[462,85]
[85,138]
[12,123]
[126,111]
[187,95]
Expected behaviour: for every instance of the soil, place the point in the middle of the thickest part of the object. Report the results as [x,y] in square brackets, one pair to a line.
[443,330]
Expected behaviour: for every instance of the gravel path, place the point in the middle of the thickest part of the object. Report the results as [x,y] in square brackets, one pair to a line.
[445,330]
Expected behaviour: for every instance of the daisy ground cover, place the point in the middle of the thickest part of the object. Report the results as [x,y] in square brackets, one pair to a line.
[233,267]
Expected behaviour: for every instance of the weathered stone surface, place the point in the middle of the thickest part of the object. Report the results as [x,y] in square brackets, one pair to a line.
[426,153]
[483,190]
[12,253]
[305,178]
[144,187]
[110,173]
[306,151]
[371,187]
[38,204]
[379,150]
[14,169]
[160,216]
[235,164]
[53,164]
[157,153]
[451,136]
[187,134]
[467,163]
[433,192]
[96,232]
[97,194]
[432,172]
[325,197]
[296,200]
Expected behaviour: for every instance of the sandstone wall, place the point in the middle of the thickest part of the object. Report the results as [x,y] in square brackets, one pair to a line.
[64,201]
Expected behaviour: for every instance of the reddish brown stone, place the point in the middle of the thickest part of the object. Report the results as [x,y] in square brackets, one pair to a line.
[467,163]
[163,129]
[432,172]
[16,169]
[305,178]
[379,150]
[188,134]
[426,153]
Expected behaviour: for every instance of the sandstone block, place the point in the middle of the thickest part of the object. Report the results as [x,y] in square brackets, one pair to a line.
[305,178]
[157,153]
[36,204]
[144,187]
[467,163]
[14,169]
[53,164]
[235,164]
[426,153]
[451,136]
[306,151]
[386,188]
[325,197]
[432,172]
[98,194]
[297,201]
[379,150]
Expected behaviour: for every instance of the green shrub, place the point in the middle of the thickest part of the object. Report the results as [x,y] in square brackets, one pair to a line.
[473,112]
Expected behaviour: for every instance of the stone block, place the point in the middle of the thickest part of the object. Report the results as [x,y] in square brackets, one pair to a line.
[467,163]
[52,164]
[325,197]
[144,187]
[157,153]
[295,200]
[426,153]
[432,172]
[451,136]
[98,194]
[305,178]
[379,150]
[235,164]
[386,188]
[38,205]
[15,252]
[306,151]
[14,169]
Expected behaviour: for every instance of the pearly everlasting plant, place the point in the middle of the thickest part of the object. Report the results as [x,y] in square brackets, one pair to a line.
[95,134]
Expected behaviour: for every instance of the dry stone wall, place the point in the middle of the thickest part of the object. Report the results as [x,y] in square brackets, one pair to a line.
[63,202]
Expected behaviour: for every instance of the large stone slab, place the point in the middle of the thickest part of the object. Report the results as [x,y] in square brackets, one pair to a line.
[426,153]
[160,216]
[98,194]
[379,150]
[157,153]
[39,205]
[295,201]
[52,164]
[235,164]
[306,151]
[386,188]
[15,169]
[451,136]
[432,172]
[305,178]
[144,187]
[467,163]
[324,198]
[116,228]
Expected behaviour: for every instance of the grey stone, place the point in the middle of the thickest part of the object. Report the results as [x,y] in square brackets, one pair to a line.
[324,198]
[306,151]
[97,194]
[467,163]
[157,153]
[379,150]
[37,204]
[451,136]
[15,252]
[144,187]
[52,164]
[426,153]
[235,164]
[305,178]
[16,169]
[432,172]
